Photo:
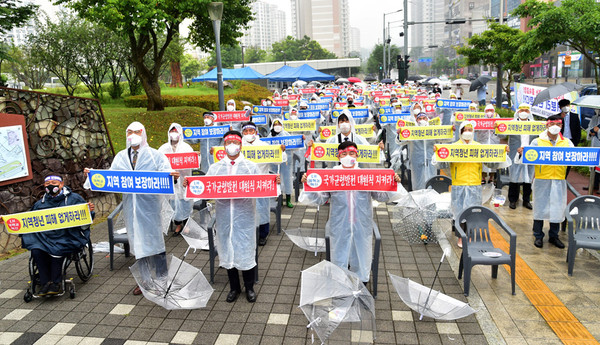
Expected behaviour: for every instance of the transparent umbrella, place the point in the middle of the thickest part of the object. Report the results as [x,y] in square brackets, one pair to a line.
[312,240]
[195,232]
[185,287]
[416,215]
[428,302]
[332,296]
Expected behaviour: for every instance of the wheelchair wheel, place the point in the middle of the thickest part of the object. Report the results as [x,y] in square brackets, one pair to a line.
[28,296]
[72,293]
[85,262]
[34,277]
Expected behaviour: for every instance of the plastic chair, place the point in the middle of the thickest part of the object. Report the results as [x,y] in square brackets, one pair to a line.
[584,226]
[374,262]
[116,238]
[475,233]
[439,183]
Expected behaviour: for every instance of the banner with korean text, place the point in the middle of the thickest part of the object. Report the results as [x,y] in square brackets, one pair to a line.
[328,153]
[231,187]
[525,93]
[468,115]
[488,124]
[452,103]
[258,154]
[259,120]
[365,131]
[290,141]
[205,132]
[357,113]
[551,155]
[48,219]
[393,118]
[299,125]
[128,182]
[332,180]
[183,160]
[470,153]
[426,133]
[258,109]
[318,106]
[232,116]
[521,127]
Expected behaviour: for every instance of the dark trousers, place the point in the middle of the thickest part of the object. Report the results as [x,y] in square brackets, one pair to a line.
[513,191]
[49,267]
[154,263]
[263,230]
[538,226]
[234,279]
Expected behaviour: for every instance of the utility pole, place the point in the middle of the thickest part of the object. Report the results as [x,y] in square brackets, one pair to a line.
[383,45]
[499,76]
[405,40]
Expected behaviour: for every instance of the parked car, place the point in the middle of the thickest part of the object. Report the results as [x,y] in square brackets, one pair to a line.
[445,83]
[586,114]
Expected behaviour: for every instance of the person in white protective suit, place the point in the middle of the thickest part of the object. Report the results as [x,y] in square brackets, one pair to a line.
[285,169]
[488,137]
[181,206]
[142,212]
[206,145]
[250,138]
[549,185]
[236,221]
[350,224]
[346,130]
[520,174]
[466,176]
[420,152]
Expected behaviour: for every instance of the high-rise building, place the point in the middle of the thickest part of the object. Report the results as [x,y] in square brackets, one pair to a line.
[426,35]
[354,40]
[267,27]
[325,21]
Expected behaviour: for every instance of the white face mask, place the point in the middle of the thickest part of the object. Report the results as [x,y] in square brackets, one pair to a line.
[277,129]
[416,112]
[230,108]
[249,137]
[565,109]
[134,140]
[468,136]
[174,136]
[489,114]
[232,149]
[207,122]
[345,127]
[423,123]
[554,130]
[523,115]
[348,161]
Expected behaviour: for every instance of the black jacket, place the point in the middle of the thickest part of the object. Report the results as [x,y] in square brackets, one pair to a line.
[575,128]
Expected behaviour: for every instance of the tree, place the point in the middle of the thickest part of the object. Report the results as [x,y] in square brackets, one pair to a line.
[230,55]
[376,58]
[292,49]
[11,15]
[26,68]
[441,64]
[254,54]
[574,23]
[499,45]
[142,22]
[191,67]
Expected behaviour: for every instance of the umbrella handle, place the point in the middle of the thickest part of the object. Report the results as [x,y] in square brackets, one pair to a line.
[444,255]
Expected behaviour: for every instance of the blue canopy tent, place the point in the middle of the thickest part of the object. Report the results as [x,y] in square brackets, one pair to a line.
[304,72]
[245,73]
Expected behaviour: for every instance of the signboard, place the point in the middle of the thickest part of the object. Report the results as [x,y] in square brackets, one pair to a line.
[552,155]
[290,141]
[259,109]
[308,90]
[521,127]
[468,115]
[259,120]
[470,153]
[525,93]
[299,125]
[452,103]
[15,164]
[393,118]
[328,153]
[333,180]
[357,113]
[231,187]
[426,133]
[281,102]
[183,160]
[488,124]
[48,219]
[309,114]
[204,132]
[131,182]
[318,106]
[258,154]
[232,116]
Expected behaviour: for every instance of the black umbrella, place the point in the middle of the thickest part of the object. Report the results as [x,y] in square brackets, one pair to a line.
[370,78]
[387,81]
[414,78]
[555,91]
[480,82]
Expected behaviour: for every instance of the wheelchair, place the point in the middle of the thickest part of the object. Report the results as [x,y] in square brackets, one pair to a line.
[84,265]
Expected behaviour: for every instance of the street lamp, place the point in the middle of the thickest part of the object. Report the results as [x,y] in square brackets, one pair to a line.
[284,57]
[243,63]
[384,39]
[215,12]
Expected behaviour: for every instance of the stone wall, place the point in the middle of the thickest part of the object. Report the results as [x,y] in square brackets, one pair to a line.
[65,134]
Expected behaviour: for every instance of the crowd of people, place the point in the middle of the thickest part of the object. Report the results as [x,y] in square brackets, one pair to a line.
[350,224]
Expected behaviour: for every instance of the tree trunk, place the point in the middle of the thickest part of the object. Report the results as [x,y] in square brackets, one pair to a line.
[176,77]
[152,88]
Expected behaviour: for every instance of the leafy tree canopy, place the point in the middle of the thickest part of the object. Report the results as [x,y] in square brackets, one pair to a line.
[376,58]
[292,49]
[12,14]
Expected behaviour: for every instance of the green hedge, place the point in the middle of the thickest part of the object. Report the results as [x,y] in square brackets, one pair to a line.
[248,92]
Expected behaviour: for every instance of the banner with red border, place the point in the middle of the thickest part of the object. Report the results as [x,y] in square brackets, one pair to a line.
[333,180]
[232,116]
[231,187]
[183,160]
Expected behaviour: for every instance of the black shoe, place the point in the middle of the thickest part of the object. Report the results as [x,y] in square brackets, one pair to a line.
[262,241]
[44,289]
[251,296]
[558,243]
[232,296]
[56,288]
[586,188]
[512,205]
[538,243]
[527,205]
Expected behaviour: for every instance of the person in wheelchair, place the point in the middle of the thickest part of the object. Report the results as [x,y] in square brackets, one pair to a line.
[48,249]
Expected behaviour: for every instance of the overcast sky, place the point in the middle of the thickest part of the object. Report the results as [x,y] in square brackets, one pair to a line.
[367,15]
